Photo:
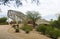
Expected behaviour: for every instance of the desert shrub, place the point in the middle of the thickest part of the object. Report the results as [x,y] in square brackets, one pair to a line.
[17,30]
[41,28]
[56,23]
[16,27]
[49,29]
[55,34]
[52,32]
[27,28]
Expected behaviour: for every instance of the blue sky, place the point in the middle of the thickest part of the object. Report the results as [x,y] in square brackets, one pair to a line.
[47,8]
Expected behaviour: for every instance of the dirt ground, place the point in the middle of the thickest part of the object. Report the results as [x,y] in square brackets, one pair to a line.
[4,34]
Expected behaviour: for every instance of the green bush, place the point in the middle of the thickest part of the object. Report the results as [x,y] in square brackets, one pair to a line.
[55,34]
[49,31]
[3,20]
[56,23]
[41,28]
[27,28]
[52,32]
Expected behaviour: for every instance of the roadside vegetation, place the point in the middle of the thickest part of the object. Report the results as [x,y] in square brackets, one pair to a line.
[53,33]
[52,30]
[27,28]
[3,21]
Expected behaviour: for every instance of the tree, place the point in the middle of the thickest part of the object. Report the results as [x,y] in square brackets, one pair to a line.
[33,16]
[56,23]
[2,20]
[17,2]
[59,18]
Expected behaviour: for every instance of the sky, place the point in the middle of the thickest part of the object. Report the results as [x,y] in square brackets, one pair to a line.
[47,8]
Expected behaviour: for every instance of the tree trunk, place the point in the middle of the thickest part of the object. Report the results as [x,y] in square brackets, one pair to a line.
[33,24]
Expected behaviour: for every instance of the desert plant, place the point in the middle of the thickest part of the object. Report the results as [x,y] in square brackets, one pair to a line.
[41,28]
[17,30]
[27,28]
[55,34]
[33,16]
[56,23]
[49,30]
[52,32]
[16,27]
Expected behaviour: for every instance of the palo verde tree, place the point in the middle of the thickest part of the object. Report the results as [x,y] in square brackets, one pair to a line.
[33,16]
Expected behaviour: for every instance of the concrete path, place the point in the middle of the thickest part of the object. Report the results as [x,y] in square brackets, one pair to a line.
[4,33]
